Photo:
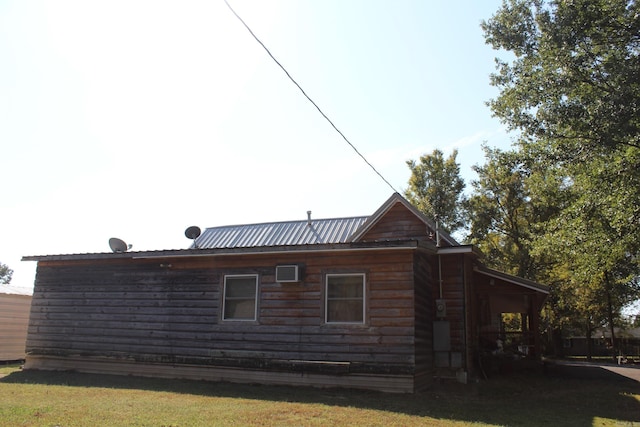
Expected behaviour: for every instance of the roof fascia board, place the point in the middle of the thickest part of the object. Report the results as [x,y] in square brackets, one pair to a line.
[181,253]
[530,284]
[305,250]
[461,249]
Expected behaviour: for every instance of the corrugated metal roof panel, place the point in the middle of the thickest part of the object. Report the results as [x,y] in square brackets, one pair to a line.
[321,231]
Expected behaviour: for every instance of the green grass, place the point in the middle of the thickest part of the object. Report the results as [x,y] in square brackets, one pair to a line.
[8,368]
[38,398]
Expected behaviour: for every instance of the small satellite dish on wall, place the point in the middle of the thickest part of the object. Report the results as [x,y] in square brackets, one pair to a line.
[117,245]
[193,233]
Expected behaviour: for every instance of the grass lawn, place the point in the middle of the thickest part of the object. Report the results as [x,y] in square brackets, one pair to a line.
[39,398]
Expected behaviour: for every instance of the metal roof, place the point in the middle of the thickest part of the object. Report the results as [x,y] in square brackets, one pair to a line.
[520,281]
[291,233]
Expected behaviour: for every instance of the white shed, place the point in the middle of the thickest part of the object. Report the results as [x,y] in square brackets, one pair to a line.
[14,321]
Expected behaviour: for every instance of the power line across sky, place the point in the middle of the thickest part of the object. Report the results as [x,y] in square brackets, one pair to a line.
[137,119]
[311,100]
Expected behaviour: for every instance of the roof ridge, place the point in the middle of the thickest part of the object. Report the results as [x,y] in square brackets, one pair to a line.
[289,222]
[296,232]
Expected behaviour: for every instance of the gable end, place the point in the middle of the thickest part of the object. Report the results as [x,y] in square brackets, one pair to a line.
[397,219]
[398,223]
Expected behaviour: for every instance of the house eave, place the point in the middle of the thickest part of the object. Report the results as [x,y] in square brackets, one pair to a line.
[529,284]
[180,253]
[461,249]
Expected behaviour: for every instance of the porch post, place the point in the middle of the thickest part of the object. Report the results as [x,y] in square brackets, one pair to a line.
[534,316]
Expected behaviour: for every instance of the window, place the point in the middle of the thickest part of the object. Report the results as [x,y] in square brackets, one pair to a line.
[240,297]
[344,298]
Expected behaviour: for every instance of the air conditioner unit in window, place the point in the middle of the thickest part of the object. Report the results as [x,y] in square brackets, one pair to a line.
[287,273]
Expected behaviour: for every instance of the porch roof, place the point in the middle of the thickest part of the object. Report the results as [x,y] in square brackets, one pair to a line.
[526,283]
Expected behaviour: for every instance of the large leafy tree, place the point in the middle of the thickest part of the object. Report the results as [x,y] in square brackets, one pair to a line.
[499,212]
[572,91]
[573,87]
[5,274]
[595,268]
[575,79]
[512,200]
[436,188]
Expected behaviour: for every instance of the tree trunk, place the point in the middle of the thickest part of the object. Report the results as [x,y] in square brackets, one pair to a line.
[589,343]
[607,286]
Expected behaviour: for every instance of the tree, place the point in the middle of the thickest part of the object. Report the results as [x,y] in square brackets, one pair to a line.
[574,86]
[575,79]
[435,188]
[591,253]
[572,91]
[511,201]
[5,274]
[499,211]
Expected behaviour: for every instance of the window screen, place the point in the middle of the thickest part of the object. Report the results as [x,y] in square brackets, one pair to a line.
[345,298]
[240,297]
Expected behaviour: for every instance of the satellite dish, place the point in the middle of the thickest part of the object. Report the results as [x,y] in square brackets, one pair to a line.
[192,233]
[117,245]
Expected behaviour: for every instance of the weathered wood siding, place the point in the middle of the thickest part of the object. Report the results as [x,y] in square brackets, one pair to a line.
[399,223]
[471,310]
[14,319]
[169,311]
[424,312]
[453,293]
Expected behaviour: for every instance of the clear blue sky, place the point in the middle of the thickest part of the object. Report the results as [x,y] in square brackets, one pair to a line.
[136,119]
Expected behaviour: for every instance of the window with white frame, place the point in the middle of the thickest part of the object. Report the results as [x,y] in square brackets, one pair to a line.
[345,298]
[240,297]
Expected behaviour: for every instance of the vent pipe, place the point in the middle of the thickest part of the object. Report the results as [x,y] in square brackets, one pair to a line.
[309,218]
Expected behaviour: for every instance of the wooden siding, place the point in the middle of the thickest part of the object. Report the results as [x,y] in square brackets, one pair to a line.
[169,311]
[14,319]
[424,315]
[397,224]
[470,313]
[453,294]
[387,383]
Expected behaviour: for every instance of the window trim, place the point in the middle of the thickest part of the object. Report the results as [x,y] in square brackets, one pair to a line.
[364,299]
[224,298]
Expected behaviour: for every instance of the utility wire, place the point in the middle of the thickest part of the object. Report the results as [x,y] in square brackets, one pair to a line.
[307,96]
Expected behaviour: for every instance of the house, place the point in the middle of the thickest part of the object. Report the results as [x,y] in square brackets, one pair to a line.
[380,302]
[14,319]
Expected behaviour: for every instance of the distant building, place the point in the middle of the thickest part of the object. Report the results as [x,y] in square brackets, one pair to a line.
[14,321]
